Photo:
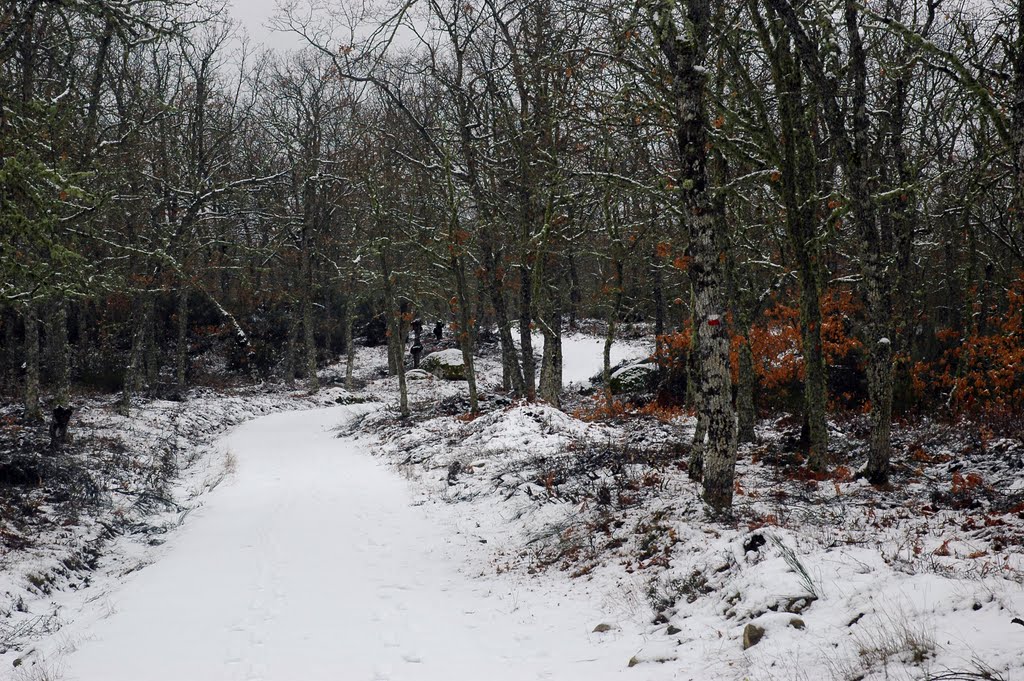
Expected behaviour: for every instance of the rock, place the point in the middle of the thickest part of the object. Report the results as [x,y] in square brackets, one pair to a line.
[797,623]
[755,542]
[417,375]
[633,662]
[601,628]
[672,630]
[454,468]
[634,378]
[660,619]
[752,635]
[445,364]
[799,604]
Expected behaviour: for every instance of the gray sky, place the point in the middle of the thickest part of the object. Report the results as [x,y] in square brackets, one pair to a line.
[253,15]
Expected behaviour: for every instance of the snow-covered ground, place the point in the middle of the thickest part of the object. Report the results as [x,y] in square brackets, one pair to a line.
[315,561]
[581,355]
[526,543]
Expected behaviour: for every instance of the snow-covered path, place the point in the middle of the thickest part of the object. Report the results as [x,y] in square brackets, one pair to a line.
[312,562]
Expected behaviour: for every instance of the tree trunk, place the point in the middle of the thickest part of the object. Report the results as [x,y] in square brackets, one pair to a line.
[150,348]
[465,330]
[132,374]
[511,368]
[61,354]
[181,350]
[551,364]
[613,318]
[32,409]
[854,153]
[526,331]
[746,414]
[704,220]
[308,335]
[290,349]
[574,295]
[394,316]
[350,346]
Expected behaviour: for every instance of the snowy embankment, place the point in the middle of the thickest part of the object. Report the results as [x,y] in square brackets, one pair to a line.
[816,579]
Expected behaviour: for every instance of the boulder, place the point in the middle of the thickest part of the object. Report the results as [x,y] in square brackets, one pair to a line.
[446,364]
[416,375]
[641,377]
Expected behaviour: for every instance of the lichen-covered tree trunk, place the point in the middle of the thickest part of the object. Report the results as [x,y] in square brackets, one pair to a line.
[704,222]
[876,274]
[815,391]
[799,191]
[32,409]
[745,412]
[852,145]
[61,354]
[551,363]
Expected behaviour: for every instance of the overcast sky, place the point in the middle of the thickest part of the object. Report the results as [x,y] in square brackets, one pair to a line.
[253,15]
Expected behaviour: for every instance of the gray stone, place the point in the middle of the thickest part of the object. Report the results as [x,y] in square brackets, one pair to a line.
[634,378]
[752,635]
[445,364]
[601,628]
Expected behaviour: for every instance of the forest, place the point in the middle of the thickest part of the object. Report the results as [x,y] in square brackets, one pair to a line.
[816,207]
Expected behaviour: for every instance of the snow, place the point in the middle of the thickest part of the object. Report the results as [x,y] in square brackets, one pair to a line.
[312,561]
[582,355]
[337,543]
[450,357]
[630,369]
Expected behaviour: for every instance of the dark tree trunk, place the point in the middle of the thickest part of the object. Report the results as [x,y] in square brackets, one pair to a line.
[32,409]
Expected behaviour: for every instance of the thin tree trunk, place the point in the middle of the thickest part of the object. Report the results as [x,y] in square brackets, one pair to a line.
[854,153]
[465,335]
[526,331]
[395,335]
[132,374]
[512,371]
[290,349]
[181,350]
[574,295]
[61,355]
[32,409]
[551,364]
[746,414]
[350,346]
[308,335]
[613,318]
[150,348]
